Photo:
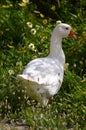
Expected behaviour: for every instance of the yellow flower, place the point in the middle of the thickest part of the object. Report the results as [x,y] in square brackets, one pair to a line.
[29,24]
[22,4]
[25,1]
[45,21]
[11,5]
[10,46]
[5,6]
[81,62]
[43,39]
[53,7]
[33,31]
[41,15]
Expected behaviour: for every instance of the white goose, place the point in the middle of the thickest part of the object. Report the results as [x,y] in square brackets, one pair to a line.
[43,77]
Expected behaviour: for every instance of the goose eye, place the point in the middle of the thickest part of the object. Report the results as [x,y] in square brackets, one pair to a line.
[67,28]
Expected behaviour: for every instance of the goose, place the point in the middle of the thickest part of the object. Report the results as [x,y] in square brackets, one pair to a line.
[42,77]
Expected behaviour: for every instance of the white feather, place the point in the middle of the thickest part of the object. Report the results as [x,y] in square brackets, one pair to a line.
[43,77]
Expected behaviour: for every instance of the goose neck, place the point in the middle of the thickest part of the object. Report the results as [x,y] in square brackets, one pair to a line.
[55,46]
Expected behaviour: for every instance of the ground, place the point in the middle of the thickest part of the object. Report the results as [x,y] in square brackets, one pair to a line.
[13,126]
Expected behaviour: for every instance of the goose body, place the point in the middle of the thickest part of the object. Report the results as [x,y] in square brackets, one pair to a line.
[43,77]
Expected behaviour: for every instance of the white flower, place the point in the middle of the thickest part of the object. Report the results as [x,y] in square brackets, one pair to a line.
[58,22]
[25,1]
[74,65]
[29,24]
[18,63]
[11,72]
[14,93]
[31,47]
[41,115]
[33,31]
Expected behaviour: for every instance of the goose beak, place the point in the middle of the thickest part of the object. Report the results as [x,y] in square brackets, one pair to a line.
[72,34]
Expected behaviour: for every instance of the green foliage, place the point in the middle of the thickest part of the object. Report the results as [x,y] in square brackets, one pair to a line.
[24,35]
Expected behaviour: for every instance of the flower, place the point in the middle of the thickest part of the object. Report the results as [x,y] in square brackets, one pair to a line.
[18,63]
[53,7]
[31,47]
[5,6]
[33,31]
[11,72]
[29,24]
[66,66]
[58,22]
[41,15]
[81,62]
[43,38]
[45,21]
[10,46]
[14,93]
[74,65]
[11,5]
[41,115]
[22,4]
[25,1]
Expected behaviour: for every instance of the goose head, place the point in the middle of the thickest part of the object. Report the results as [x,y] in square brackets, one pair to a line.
[64,30]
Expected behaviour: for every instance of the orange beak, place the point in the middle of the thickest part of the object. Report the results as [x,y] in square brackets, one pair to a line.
[72,34]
